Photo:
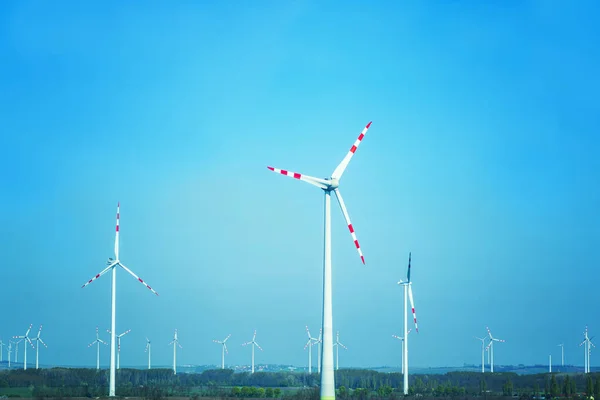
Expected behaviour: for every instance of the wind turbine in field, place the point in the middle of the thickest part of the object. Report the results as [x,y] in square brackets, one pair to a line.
[97,343]
[112,265]
[401,339]
[16,343]
[2,344]
[25,338]
[329,185]
[253,343]
[38,340]
[482,352]
[223,349]
[319,341]
[407,292]
[491,347]
[9,351]
[309,344]
[562,354]
[175,343]
[119,346]
[149,351]
[587,347]
[337,346]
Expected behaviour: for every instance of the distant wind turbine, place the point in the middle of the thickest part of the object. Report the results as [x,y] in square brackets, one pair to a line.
[175,343]
[253,343]
[482,353]
[38,340]
[97,343]
[407,291]
[1,350]
[223,349]
[309,344]
[337,346]
[401,339]
[587,347]
[16,343]
[9,351]
[491,347]
[119,346]
[149,351]
[550,363]
[112,265]
[562,354]
[26,341]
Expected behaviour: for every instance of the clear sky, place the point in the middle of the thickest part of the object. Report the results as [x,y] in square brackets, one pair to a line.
[482,160]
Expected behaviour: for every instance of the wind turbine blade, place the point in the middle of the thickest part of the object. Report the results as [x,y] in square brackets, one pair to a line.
[308,332]
[257,345]
[228,336]
[105,270]
[180,346]
[124,333]
[93,343]
[343,347]
[138,278]
[28,330]
[339,171]
[225,346]
[489,332]
[320,183]
[308,343]
[30,342]
[350,227]
[39,332]
[254,336]
[42,342]
[412,306]
[172,341]
[408,273]
[246,344]
[397,337]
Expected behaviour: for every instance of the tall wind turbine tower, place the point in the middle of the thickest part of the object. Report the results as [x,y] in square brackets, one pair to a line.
[482,353]
[119,346]
[175,343]
[329,185]
[223,349]
[149,351]
[38,340]
[309,344]
[9,351]
[491,347]
[253,343]
[550,363]
[112,266]
[562,354]
[587,347]
[407,292]
[337,346]
[401,339]
[97,343]
[1,350]
[26,340]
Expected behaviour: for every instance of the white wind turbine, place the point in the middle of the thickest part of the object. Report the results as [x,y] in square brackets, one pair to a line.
[253,343]
[401,339]
[587,347]
[2,344]
[119,346]
[309,344]
[490,346]
[112,265]
[97,343]
[319,341]
[407,292]
[482,352]
[175,343]
[562,354]
[38,340]
[223,349]
[337,346]
[149,351]
[16,343]
[25,338]
[9,351]
[330,185]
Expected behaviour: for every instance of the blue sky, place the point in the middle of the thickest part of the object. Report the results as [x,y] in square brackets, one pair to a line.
[482,160]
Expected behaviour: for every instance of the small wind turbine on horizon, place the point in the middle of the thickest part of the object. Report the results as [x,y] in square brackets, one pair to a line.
[309,344]
[149,351]
[407,292]
[16,343]
[319,341]
[587,347]
[491,347]
[482,352]
[550,363]
[401,339]
[1,350]
[25,338]
[119,346]
[175,343]
[9,351]
[253,343]
[97,343]
[38,340]
[328,185]
[112,265]
[337,346]
[562,354]
[223,349]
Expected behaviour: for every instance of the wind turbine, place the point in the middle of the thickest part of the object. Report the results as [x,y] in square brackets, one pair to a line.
[491,347]
[119,346]
[309,344]
[112,265]
[330,185]
[223,349]
[562,354]
[550,363]
[587,342]
[38,340]
[337,346]
[1,350]
[407,291]
[97,343]
[402,341]
[482,352]
[149,351]
[26,340]
[175,343]
[319,341]
[16,343]
[9,351]
[253,343]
